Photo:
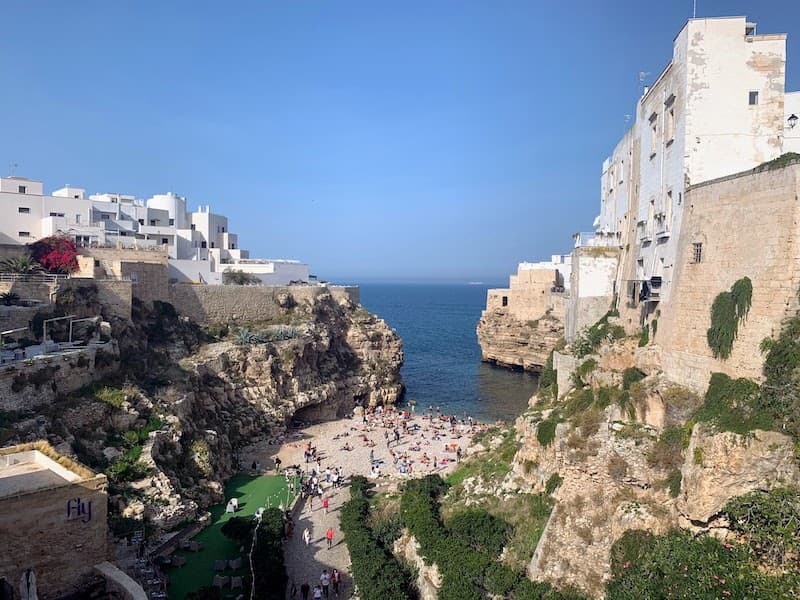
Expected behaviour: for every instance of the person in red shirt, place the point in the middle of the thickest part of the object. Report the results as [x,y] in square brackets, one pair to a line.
[325,504]
[329,536]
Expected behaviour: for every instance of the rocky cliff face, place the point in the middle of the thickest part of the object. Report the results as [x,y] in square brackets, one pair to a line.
[613,466]
[182,406]
[509,342]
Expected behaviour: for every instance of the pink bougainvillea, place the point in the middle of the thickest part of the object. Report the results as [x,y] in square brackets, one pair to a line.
[56,254]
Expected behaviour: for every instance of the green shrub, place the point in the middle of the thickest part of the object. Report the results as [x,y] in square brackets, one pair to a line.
[667,452]
[586,367]
[644,337]
[590,339]
[733,405]
[727,311]
[680,565]
[480,530]
[631,375]
[375,571]
[770,522]
[546,432]
[553,483]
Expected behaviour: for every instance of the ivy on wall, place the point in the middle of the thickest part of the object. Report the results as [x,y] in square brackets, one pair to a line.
[727,311]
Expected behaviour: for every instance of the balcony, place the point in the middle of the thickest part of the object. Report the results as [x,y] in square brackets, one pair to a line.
[593,239]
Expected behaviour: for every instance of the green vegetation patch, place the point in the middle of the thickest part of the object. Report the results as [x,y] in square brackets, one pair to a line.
[590,339]
[728,310]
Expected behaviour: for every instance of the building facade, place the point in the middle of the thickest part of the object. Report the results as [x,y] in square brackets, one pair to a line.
[199,244]
[53,520]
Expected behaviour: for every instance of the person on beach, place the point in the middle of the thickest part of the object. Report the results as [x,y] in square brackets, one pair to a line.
[307,536]
[329,537]
[325,581]
[304,590]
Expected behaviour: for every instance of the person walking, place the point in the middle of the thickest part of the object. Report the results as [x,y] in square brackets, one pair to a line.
[325,582]
[329,537]
[293,592]
[325,504]
[307,536]
[304,590]
[335,578]
[317,592]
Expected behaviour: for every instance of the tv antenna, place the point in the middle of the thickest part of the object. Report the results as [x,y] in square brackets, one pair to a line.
[13,168]
[694,9]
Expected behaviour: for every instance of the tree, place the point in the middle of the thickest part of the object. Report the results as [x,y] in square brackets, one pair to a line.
[24,265]
[56,254]
[234,277]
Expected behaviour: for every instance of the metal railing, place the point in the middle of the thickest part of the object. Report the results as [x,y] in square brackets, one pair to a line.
[31,278]
[590,238]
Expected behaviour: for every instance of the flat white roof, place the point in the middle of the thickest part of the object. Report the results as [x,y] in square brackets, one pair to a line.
[30,470]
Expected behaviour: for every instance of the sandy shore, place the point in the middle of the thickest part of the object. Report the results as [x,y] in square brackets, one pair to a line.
[421,442]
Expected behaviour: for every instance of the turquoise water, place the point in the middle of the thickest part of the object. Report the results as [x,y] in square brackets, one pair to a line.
[442,358]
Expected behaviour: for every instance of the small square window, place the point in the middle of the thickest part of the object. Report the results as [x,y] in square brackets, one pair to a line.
[22,189]
[753,98]
[24,210]
[141,221]
[697,251]
[164,240]
[96,263]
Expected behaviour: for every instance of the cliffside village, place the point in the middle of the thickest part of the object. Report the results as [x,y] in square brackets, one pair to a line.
[689,203]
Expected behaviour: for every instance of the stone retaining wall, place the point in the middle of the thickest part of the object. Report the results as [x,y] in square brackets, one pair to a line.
[206,304]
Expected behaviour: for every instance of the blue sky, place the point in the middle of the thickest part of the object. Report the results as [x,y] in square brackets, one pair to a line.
[391,140]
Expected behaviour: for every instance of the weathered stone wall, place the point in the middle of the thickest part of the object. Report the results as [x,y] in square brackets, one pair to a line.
[29,290]
[748,227]
[37,533]
[35,382]
[13,317]
[594,272]
[115,296]
[147,269]
[228,303]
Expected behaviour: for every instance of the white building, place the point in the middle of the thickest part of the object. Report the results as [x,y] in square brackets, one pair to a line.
[719,107]
[199,244]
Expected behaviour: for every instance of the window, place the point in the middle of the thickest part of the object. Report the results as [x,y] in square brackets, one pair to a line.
[202,244]
[165,240]
[223,230]
[24,210]
[697,250]
[77,218]
[22,189]
[134,277]
[193,227]
[505,301]
[24,234]
[123,233]
[212,244]
[105,217]
[153,222]
[56,214]
[141,221]
[668,211]
[653,134]
[96,263]
[171,222]
[753,98]
[669,125]
[233,247]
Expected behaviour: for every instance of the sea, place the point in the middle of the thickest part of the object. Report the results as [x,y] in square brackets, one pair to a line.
[443,365]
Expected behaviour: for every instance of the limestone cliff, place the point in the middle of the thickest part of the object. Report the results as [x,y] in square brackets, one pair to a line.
[626,459]
[167,429]
[509,342]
